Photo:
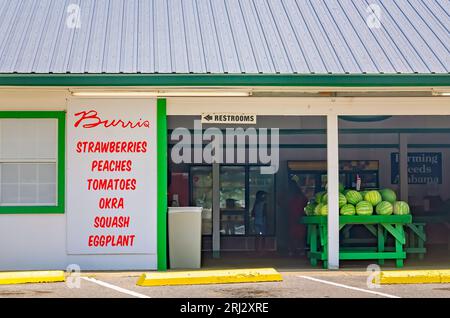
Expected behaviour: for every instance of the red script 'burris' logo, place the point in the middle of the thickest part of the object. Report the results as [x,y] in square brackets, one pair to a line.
[90,119]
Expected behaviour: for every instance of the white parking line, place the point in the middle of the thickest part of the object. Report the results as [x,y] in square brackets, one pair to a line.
[349,287]
[116,288]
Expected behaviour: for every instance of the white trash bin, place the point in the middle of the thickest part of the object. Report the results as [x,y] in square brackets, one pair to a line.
[185,237]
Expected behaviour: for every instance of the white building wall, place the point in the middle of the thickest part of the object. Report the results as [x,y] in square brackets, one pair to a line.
[39,241]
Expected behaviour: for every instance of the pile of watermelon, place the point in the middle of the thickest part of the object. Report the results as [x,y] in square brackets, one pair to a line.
[352,202]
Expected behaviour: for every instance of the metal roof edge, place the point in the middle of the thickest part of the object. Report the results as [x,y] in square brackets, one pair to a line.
[192,80]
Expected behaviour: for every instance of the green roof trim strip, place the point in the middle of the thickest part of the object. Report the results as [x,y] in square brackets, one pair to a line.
[331,80]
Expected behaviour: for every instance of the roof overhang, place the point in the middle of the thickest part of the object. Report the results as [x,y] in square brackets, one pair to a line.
[228,80]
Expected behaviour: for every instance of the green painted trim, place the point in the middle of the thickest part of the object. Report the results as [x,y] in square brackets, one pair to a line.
[32,209]
[61,171]
[162,183]
[331,80]
[61,160]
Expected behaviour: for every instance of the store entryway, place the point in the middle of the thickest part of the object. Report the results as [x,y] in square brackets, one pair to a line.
[375,153]
[248,196]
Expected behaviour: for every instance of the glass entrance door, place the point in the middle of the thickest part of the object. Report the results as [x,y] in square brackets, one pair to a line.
[233,207]
[238,189]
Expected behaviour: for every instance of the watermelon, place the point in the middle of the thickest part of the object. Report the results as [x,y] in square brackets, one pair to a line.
[317,209]
[384,208]
[348,209]
[401,208]
[374,197]
[324,209]
[363,193]
[309,208]
[342,200]
[353,197]
[388,195]
[364,208]
[318,196]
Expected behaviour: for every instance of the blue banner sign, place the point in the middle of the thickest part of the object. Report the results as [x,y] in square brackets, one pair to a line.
[423,168]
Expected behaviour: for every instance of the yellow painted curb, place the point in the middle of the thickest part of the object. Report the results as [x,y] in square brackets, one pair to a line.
[415,277]
[210,277]
[31,277]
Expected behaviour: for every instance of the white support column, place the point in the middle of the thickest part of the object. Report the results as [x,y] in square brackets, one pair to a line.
[216,210]
[403,166]
[333,190]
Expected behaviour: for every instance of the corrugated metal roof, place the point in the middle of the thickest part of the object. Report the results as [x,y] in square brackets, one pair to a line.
[225,36]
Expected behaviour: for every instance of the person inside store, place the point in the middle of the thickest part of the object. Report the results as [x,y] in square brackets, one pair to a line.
[297,232]
[259,215]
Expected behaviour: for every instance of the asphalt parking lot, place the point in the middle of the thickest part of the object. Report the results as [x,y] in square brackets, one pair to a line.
[295,284]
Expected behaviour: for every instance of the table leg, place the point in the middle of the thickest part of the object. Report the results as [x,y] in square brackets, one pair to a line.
[412,239]
[313,245]
[380,237]
[308,234]
[421,243]
[325,246]
[399,245]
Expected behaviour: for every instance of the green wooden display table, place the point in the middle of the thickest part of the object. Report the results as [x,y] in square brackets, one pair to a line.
[435,218]
[378,225]
[416,238]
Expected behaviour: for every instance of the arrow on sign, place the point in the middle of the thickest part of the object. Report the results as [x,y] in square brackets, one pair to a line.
[208,117]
